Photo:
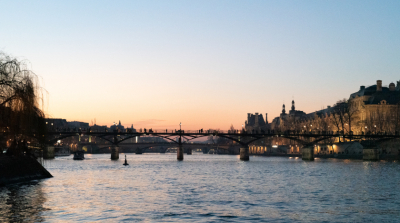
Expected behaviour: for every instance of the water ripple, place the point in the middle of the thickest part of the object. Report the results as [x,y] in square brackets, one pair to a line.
[207,188]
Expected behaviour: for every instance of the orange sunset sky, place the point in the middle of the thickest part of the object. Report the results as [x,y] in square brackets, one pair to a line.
[206,64]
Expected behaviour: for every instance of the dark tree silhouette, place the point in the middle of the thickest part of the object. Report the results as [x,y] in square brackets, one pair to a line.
[20,94]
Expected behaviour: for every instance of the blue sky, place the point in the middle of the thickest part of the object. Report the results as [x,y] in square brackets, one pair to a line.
[205,63]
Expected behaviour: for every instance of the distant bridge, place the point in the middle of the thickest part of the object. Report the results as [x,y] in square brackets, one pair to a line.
[161,147]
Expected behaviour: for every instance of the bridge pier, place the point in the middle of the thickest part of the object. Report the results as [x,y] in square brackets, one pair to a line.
[138,151]
[244,153]
[307,153]
[371,154]
[115,153]
[179,153]
[79,147]
[189,151]
[48,152]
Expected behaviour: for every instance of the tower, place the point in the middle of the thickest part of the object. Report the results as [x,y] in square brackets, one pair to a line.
[293,108]
[256,119]
[379,85]
[283,109]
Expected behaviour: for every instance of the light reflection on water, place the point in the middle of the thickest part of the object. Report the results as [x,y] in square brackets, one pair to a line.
[156,187]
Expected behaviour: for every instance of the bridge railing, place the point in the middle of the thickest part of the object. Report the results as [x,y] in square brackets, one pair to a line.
[216,132]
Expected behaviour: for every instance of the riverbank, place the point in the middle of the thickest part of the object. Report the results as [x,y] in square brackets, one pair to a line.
[20,169]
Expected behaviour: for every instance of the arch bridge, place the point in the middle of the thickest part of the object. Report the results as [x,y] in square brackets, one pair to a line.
[307,139]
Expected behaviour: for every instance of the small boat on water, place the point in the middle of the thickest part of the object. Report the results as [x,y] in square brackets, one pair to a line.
[79,155]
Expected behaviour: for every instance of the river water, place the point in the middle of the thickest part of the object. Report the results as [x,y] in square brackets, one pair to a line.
[207,188]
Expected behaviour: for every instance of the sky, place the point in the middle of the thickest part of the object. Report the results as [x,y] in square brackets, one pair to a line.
[154,64]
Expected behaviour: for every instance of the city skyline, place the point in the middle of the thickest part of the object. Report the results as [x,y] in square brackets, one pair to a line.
[205,64]
[149,124]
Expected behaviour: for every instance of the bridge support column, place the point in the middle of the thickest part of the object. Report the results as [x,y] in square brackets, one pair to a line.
[189,151]
[115,153]
[138,151]
[179,152]
[307,153]
[371,154]
[79,147]
[48,152]
[244,153]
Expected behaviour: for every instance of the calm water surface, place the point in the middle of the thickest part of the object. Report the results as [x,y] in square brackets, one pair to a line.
[207,188]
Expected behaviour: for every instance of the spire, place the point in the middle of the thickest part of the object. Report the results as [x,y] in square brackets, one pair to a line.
[119,122]
[283,109]
[293,108]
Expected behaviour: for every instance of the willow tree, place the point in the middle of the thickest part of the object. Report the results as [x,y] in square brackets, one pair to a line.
[20,95]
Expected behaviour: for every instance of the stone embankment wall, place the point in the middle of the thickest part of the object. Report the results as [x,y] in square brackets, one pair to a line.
[19,169]
[387,150]
[391,147]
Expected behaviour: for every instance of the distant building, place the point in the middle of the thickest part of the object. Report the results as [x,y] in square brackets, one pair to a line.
[98,128]
[375,108]
[371,109]
[131,129]
[256,123]
[77,125]
[56,123]
[286,119]
[119,127]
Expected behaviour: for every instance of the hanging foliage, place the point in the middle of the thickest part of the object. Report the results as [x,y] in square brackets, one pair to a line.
[20,95]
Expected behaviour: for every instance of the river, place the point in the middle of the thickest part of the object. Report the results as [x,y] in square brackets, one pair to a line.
[207,188]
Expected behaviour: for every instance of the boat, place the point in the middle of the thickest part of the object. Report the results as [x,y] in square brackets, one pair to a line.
[79,155]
